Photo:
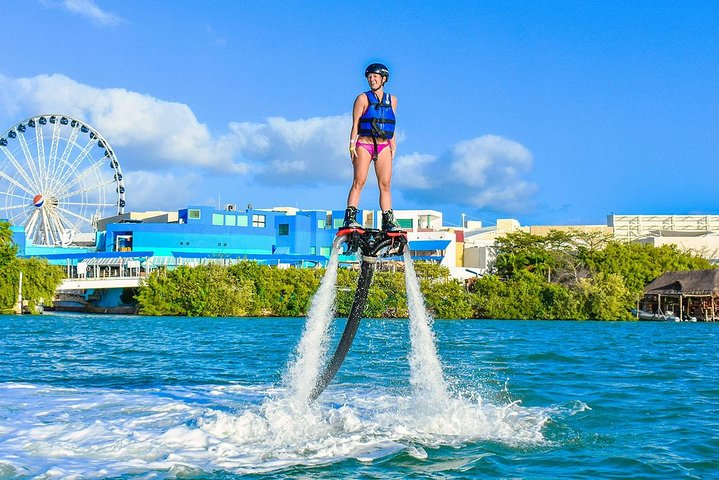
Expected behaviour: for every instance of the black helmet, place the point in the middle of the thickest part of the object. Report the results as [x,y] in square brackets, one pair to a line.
[377,68]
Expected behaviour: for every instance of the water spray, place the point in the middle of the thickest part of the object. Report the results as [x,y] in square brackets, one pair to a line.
[372,244]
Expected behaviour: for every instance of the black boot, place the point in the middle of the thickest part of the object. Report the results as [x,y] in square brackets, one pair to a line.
[389,224]
[351,218]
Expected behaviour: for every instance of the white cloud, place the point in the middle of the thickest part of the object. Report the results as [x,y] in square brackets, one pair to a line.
[155,132]
[305,152]
[89,9]
[489,159]
[147,190]
[157,140]
[147,132]
[484,172]
[410,171]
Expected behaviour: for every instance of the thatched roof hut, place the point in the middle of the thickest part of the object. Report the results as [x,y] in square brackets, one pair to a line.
[694,293]
[688,283]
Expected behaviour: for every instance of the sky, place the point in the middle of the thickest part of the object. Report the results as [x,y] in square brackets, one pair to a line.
[552,113]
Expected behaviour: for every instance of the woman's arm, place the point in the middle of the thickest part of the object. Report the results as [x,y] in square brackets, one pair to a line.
[360,105]
[393,140]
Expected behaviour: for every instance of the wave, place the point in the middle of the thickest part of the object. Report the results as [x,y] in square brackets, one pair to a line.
[100,432]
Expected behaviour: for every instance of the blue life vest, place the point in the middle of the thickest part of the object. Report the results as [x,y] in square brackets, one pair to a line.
[378,121]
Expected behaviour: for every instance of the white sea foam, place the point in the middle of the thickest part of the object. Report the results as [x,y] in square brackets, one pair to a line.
[189,429]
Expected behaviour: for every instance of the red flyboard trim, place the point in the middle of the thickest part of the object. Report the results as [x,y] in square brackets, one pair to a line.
[346,230]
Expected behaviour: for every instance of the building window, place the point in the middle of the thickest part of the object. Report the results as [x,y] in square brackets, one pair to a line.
[321,224]
[242,220]
[284,229]
[230,220]
[406,223]
[123,243]
[258,221]
[218,219]
[325,251]
[337,222]
[313,250]
[193,214]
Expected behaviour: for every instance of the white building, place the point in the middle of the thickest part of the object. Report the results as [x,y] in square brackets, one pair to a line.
[479,252]
[696,233]
[428,238]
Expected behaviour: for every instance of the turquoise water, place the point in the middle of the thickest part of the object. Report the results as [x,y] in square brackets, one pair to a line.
[135,397]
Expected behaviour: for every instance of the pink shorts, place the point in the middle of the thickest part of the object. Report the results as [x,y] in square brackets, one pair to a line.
[374,150]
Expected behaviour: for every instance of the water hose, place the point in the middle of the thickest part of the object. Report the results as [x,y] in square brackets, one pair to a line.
[372,243]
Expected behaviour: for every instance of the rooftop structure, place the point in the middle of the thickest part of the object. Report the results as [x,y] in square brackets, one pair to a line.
[697,233]
[633,227]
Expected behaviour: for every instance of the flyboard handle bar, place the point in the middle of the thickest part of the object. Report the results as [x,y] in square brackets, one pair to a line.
[371,242]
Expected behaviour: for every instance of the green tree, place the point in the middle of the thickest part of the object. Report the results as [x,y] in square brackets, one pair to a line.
[205,290]
[346,285]
[8,250]
[39,282]
[605,297]
[579,276]
[551,255]
[158,295]
[445,296]
[639,264]
[560,302]
[391,284]
[447,299]
[40,279]
[559,276]
[525,296]
[290,291]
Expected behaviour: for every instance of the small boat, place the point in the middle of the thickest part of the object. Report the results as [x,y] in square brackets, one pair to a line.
[657,317]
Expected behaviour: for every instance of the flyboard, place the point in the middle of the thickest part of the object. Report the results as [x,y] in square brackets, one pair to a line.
[371,244]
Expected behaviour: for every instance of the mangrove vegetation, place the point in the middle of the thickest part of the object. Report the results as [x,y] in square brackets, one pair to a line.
[558,276]
[39,278]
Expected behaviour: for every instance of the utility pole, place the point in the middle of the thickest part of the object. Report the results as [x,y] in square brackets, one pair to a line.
[19,295]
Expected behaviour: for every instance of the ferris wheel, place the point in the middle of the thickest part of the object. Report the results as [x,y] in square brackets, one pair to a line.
[58,177]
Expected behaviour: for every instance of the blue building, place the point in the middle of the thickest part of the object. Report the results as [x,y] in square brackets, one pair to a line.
[101,267]
[279,236]
[198,234]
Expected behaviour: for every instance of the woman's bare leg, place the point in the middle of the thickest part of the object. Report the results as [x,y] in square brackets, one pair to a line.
[383,169]
[361,168]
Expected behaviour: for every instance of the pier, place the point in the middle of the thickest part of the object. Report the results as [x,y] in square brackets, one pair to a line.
[74,284]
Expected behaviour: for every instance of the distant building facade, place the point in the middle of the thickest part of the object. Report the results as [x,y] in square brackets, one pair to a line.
[287,236]
[696,233]
[279,236]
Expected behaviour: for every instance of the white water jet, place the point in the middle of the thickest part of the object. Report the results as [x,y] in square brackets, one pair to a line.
[304,370]
[426,375]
